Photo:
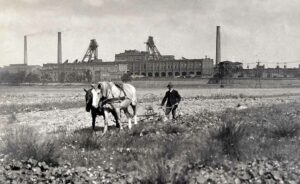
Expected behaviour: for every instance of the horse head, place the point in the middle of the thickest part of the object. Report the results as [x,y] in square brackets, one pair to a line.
[93,97]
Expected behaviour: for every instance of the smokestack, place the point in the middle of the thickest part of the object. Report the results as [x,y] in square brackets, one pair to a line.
[59,52]
[218,46]
[25,50]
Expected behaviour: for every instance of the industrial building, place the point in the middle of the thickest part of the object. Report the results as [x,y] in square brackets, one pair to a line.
[16,68]
[79,72]
[142,64]
[268,73]
[149,63]
[172,68]
[230,69]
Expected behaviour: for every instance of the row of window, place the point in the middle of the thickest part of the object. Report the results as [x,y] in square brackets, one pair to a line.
[166,66]
[169,74]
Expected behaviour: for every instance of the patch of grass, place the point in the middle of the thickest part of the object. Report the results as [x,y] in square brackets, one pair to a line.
[12,118]
[271,131]
[287,125]
[25,142]
[141,130]
[202,150]
[286,129]
[230,134]
[154,171]
[173,129]
[87,140]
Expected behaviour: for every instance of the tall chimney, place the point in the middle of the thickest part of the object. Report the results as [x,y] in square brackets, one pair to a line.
[25,50]
[218,46]
[59,52]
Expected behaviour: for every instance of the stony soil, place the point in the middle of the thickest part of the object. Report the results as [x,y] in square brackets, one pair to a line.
[54,121]
[258,171]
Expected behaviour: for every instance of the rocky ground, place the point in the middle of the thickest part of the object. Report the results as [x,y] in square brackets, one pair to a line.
[198,112]
[258,171]
[53,121]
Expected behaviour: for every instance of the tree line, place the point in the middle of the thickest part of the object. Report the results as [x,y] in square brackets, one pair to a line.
[23,77]
[19,77]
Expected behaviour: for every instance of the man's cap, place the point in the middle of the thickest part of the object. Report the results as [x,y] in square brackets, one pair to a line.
[170,85]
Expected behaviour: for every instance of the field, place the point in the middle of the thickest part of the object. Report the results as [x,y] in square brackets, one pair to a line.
[221,136]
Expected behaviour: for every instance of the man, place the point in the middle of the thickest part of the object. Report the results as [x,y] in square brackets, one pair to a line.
[173,98]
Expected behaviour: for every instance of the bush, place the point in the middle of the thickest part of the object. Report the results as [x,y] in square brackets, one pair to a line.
[173,129]
[206,151]
[32,77]
[12,118]
[13,78]
[126,77]
[88,140]
[284,129]
[230,135]
[24,142]
[154,171]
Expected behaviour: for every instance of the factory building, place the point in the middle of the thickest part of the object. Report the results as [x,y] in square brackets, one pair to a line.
[268,73]
[149,63]
[235,70]
[16,68]
[80,72]
[172,68]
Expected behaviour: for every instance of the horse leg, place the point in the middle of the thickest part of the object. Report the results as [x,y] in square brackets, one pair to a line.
[134,114]
[128,117]
[105,121]
[118,115]
[114,113]
[124,106]
[93,120]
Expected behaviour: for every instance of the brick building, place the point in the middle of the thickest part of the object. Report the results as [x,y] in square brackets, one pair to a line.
[97,70]
[172,68]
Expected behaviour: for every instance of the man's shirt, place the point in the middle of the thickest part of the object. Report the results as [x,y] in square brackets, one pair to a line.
[172,97]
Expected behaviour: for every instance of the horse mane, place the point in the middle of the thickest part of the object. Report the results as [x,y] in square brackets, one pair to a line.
[103,86]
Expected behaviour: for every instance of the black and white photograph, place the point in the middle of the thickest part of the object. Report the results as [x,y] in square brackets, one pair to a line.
[149,91]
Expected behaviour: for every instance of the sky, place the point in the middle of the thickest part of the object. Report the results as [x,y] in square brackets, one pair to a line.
[251,30]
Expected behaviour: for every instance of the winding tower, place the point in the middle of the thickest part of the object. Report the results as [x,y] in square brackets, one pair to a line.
[151,48]
[92,52]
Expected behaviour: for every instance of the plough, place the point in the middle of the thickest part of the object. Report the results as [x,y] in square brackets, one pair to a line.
[150,101]
[150,114]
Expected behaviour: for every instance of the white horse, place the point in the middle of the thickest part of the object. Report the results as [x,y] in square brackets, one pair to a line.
[116,97]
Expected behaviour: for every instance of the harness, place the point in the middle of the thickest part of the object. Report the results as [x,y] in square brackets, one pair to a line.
[106,100]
